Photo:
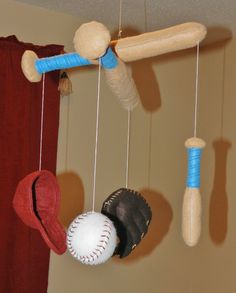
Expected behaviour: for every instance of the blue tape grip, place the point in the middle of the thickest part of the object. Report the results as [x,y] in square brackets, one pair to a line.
[194,147]
[64,61]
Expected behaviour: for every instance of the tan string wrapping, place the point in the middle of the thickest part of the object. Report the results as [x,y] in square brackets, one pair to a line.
[122,85]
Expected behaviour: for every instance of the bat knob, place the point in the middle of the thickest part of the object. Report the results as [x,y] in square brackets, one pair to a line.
[28,66]
[195,142]
[91,40]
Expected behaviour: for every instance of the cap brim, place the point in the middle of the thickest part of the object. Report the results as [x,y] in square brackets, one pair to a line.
[54,235]
[50,228]
[29,204]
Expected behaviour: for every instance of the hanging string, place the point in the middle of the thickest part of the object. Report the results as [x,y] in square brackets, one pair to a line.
[96,136]
[223,96]
[67,131]
[129,111]
[127,149]
[120,20]
[196,92]
[145,16]
[41,125]
[150,114]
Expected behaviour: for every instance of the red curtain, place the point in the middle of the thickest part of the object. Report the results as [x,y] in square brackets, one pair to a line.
[24,257]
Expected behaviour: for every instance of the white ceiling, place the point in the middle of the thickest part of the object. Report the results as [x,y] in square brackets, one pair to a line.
[146,15]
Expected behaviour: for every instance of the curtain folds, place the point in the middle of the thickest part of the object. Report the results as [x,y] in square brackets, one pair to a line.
[24,257]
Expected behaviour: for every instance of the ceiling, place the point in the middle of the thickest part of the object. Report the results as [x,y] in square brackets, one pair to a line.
[147,15]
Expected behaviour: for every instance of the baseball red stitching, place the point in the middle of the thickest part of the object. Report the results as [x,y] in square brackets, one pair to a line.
[99,248]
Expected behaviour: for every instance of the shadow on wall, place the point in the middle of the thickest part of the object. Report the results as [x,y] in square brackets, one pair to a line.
[162,216]
[147,84]
[218,210]
[218,213]
[72,197]
[217,34]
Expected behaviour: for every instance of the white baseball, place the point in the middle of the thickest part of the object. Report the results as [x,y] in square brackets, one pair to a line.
[91,238]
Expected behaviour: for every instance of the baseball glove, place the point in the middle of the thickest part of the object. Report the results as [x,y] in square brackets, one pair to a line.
[131,216]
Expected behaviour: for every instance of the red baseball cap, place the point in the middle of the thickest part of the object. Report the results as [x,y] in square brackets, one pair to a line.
[36,202]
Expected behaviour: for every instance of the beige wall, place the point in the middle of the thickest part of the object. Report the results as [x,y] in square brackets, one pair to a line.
[160,125]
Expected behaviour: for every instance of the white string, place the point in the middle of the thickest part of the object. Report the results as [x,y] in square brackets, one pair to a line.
[41,124]
[96,136]
[120,20]
[67,132]
[127,149]
[196,92]
[129,111]
[145,16]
